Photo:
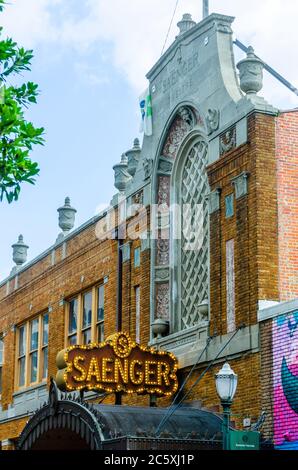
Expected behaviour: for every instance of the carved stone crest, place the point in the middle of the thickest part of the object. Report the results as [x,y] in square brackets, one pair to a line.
[212,120]
[148,166]
[163,257]
[227,140]
[138,198]
[187,116]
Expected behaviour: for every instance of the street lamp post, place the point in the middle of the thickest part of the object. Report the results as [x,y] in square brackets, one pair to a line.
[226,385]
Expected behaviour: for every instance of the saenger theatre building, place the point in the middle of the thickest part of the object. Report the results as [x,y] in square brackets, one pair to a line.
[131,280]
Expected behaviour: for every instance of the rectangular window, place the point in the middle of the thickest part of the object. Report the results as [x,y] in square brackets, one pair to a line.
[100,315]
[138,314]
[22,355]
[85,317]
[1,361]
[137,257]
[73,321]
[32,351]
[229,205]
[45,347]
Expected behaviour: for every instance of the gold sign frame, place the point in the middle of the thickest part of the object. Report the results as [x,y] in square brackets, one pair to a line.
[117,365]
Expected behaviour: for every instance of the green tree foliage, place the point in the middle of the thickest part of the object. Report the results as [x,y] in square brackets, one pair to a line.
[17,136]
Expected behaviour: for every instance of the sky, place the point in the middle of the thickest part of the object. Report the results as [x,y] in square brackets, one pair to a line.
[90,61]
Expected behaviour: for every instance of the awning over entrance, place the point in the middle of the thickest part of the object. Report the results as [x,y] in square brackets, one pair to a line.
[69,423]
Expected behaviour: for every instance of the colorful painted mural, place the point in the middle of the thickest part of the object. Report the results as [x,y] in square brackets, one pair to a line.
[285,381]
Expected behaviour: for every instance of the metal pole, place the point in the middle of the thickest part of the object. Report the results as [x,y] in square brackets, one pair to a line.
[205,8]
[226,425]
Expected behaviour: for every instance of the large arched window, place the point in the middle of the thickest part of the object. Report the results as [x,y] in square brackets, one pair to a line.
[191,272]
[180,262]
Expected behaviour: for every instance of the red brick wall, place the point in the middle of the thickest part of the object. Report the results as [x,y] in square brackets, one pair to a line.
[287,184]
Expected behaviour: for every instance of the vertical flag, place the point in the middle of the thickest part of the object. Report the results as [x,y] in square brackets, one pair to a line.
[146,112]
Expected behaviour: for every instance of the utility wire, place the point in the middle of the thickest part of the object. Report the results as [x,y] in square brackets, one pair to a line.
[170,27]
[164,420]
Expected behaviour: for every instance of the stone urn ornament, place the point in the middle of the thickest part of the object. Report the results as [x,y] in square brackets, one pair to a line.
[133,156]
[160,328]
[66,217]
[122,177]
[20,250]
[251,73]
[203,309]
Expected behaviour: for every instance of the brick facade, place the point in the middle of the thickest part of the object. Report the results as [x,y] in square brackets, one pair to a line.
[287,184]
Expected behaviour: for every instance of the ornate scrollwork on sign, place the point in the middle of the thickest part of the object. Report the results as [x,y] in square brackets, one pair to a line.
[227,140]
[212,120]
[162,301]
[147,165]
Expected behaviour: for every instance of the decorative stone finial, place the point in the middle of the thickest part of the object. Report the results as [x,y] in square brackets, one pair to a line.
[20,249]
[186,23]
[160,328]
[133,156]
[66,217]
[251,73]
[122,177]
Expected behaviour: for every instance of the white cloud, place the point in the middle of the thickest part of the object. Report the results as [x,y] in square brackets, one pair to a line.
[137,29]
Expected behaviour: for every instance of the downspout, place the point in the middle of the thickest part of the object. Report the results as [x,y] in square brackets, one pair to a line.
[118,397]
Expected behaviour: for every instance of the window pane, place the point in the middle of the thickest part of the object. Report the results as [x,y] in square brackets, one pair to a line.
[33,375]
[1,351]
[138,326]
[87,336]
[34,335]
[45,363]
[0,380]
[22,341]
[100,332]
[45,330]
[22,372]
[87,312]
[100,308]
[73,315]
[73,340]
[137,257]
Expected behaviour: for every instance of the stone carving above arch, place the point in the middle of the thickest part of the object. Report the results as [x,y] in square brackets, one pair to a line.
[185,121]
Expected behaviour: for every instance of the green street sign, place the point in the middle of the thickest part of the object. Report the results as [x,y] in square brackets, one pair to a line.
[244,440]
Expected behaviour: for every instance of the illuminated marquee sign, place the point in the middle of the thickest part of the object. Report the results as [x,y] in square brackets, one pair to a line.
[117,365]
